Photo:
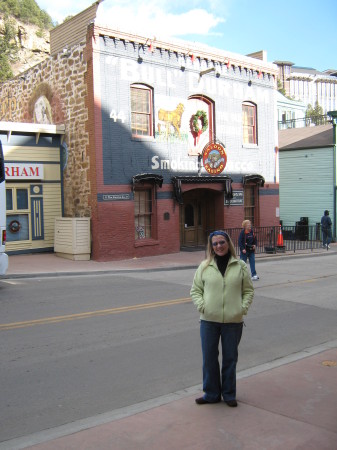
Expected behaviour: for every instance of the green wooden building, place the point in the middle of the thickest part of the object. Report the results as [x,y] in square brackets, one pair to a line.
[307,174]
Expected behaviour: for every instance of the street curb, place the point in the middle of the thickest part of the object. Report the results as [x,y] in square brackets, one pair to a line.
[93,272]
[261,259]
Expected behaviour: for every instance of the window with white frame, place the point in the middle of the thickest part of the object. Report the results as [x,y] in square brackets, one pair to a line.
[141,110]
[249,123]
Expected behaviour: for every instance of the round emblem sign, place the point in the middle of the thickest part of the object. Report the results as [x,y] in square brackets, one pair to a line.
[214,158]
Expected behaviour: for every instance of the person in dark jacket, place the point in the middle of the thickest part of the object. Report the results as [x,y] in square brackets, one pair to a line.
[326,229]
[247,244]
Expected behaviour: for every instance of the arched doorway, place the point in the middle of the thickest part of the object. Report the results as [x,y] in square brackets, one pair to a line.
[197,216]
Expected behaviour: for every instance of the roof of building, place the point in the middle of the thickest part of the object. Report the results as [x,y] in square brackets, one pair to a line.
[309,72]
[284,63]
[74,31]
[282,99]
[306,71]
[332,72]
[307,137]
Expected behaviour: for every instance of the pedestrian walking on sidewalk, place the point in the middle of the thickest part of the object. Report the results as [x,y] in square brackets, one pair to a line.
[222,291]
[326,229]
[247,245]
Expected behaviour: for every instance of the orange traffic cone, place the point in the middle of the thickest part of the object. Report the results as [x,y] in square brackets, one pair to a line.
[280,238]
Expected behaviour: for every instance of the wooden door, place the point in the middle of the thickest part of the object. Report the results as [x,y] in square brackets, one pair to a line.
[196,214]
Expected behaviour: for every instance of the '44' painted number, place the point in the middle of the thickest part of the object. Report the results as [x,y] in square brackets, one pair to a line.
[117,116]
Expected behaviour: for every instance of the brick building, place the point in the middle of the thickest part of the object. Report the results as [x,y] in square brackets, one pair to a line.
[140,116]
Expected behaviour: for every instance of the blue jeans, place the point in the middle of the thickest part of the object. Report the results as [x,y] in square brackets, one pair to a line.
[230,333]
[251,257]
[327,236]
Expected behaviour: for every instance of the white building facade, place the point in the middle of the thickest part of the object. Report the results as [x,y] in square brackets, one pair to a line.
[309,85]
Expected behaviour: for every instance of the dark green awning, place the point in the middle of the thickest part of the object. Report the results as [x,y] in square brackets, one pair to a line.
[178,180]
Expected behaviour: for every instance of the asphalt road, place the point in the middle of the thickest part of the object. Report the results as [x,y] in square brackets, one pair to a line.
[76,347]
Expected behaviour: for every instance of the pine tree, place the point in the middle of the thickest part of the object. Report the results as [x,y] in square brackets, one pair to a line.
[316,114]
[8,49]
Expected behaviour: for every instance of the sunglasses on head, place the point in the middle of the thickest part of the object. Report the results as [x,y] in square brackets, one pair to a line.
[219,233]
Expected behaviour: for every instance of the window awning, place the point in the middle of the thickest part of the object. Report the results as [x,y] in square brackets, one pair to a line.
[147,178]
[177,181]
[12,128]
[254,178]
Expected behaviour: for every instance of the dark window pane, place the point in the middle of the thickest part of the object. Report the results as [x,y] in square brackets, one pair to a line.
[143,214]
[22,199]
[199,214]
[189,215]
[9,199]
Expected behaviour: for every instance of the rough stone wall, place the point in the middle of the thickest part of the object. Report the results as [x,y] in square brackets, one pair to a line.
[62,80]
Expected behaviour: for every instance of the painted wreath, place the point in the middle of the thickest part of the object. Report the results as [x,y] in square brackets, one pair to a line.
[14,226]
[203,117]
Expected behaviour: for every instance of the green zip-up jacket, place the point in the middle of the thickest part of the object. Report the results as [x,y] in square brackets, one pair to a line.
[223,299]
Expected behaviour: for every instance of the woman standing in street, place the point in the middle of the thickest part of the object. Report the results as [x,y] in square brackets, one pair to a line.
[247,245]
[222,291]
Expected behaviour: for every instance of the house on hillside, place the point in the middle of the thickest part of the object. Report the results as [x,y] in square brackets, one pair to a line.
[307,175]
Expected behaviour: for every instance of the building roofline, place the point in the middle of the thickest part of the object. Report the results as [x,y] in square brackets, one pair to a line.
[284,63]
[188,48]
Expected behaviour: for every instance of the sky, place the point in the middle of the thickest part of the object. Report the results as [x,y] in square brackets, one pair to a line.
[300,31]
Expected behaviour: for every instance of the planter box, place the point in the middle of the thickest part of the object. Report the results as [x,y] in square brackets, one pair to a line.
[72,238]
[269,250]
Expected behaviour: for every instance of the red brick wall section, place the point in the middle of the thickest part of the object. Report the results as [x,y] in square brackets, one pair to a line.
[113,232]
[234,215]
[268,205]
[169,230]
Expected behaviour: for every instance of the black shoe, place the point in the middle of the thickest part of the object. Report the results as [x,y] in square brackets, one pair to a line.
[202,401]
[231,403]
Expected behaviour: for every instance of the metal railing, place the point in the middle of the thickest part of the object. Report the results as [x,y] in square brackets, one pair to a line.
[295,238]
[304,122]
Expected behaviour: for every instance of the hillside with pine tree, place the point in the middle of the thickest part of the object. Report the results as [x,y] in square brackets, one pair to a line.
[24,36]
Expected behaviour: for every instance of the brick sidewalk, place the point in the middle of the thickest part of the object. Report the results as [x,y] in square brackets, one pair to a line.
[292,406]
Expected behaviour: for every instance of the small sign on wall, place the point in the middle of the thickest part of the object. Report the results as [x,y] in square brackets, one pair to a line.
[237,199]
[114,197]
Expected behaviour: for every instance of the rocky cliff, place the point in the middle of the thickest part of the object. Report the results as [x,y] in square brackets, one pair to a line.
[33,45]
